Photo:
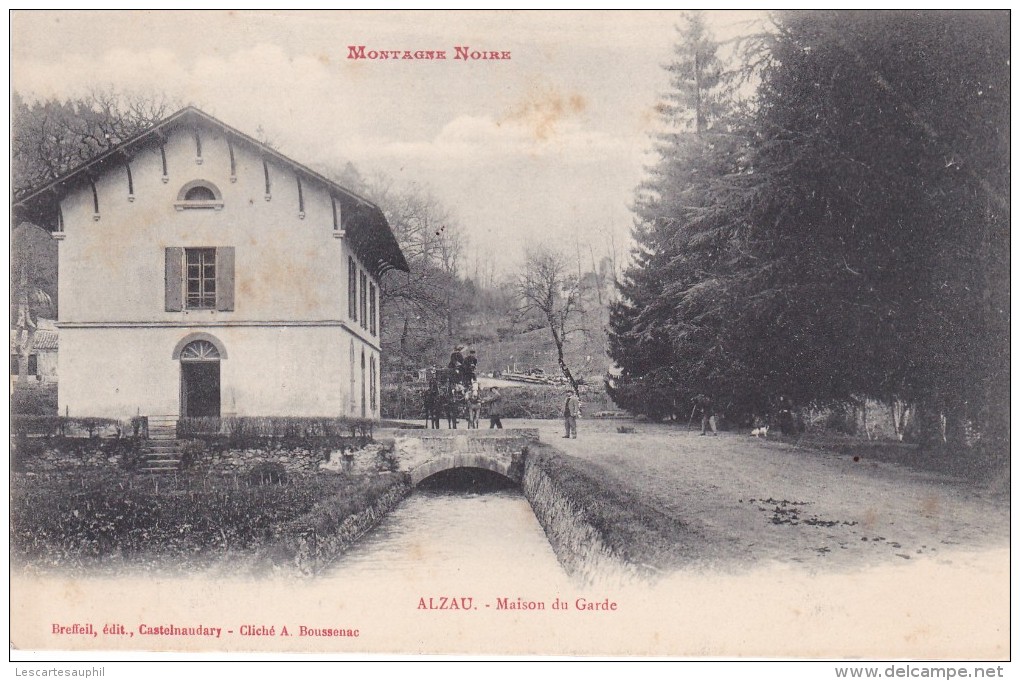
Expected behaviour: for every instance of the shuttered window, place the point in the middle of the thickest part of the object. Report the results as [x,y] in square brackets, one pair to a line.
[174,279]
[225,278]
[352,289]
[364,301]
[371,309]
[199,279]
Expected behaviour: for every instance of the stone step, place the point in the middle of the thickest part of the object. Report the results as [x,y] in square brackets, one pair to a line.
[164,471]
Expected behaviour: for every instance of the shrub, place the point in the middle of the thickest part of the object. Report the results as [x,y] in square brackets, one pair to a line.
[267,473]
[34,399]
[46,426]
[192,451]
[388,461]
[241,431]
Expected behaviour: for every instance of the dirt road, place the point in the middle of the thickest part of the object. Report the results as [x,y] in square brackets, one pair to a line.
[753,501]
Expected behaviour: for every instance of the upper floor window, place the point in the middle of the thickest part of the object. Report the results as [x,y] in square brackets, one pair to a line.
[199,194]
[352,289]
[364,300]
[201,278]
[371,309]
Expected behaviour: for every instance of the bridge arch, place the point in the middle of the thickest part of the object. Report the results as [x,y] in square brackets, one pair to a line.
[464,460]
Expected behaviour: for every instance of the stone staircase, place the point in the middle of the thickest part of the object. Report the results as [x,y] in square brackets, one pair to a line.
[162,450]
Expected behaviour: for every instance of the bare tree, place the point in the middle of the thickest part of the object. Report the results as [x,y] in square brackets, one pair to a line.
[50,137]
[547,286]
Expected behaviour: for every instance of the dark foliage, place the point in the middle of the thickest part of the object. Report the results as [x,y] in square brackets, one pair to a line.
[846,237]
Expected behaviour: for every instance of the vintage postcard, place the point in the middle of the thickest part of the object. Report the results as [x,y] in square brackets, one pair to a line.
[511,333]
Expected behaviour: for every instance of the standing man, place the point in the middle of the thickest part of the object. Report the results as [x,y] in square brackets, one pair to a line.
[495,402]
[456,364]
[571,410]
[703,404]
[432,407]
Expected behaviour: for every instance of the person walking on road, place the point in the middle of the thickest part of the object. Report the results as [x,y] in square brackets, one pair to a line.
[571,410]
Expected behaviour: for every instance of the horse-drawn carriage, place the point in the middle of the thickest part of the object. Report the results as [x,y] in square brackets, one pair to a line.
[451,394]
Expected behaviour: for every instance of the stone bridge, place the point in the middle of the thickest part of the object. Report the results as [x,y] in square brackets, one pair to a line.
[422,453]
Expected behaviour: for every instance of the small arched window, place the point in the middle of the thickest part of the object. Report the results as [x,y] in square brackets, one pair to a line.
[199,194]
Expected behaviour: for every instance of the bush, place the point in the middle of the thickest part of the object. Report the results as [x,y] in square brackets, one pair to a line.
[267,473]
[34,399]
[47,426]
[192,451]
[104,520]
[244,429]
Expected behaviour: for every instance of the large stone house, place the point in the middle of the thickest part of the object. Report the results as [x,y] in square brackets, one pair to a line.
[202,273]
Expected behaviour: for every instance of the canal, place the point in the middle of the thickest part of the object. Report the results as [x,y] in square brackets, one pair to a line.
[463,527]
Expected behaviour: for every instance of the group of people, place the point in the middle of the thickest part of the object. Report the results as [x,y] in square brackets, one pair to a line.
[454,401]
[463,369]
[454,393]
[783,409]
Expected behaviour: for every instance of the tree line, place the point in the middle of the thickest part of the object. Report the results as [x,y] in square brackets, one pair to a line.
[828,221]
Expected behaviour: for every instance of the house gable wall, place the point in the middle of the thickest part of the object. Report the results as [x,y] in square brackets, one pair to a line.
[288,335]
[287,268]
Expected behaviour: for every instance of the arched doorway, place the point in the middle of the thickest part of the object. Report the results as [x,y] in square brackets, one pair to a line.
[200,379]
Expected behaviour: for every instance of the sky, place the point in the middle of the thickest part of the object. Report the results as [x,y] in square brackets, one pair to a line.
[546,146]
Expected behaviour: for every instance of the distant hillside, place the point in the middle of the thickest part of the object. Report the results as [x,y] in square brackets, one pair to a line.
[584,351]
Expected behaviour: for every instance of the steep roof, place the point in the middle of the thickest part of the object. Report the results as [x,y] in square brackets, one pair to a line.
[367,229]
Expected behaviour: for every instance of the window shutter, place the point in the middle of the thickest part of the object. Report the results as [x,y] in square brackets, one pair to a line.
[225,278]
[174,279]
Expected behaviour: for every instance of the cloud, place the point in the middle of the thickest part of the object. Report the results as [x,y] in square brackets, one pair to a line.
[486,139]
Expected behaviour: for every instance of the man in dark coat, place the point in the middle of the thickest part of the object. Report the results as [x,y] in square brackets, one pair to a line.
[703,406]
[456,364]
[470,364]
[495,402]
[571,410]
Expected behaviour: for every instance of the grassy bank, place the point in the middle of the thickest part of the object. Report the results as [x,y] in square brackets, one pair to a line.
[106,521]
[625,523]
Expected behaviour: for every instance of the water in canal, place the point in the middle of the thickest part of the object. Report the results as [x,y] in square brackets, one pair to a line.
[464,527]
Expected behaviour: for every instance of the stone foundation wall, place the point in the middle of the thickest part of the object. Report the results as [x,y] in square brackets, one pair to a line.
[48,455]
[369,459]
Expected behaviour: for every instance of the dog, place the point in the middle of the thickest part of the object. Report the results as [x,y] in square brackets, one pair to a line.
[761,432]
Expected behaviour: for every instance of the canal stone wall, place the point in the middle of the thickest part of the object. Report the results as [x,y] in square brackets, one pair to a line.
[311,543]
[581,547]
[588,523]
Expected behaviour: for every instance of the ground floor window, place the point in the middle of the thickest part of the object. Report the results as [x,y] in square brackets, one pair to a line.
[372,384]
